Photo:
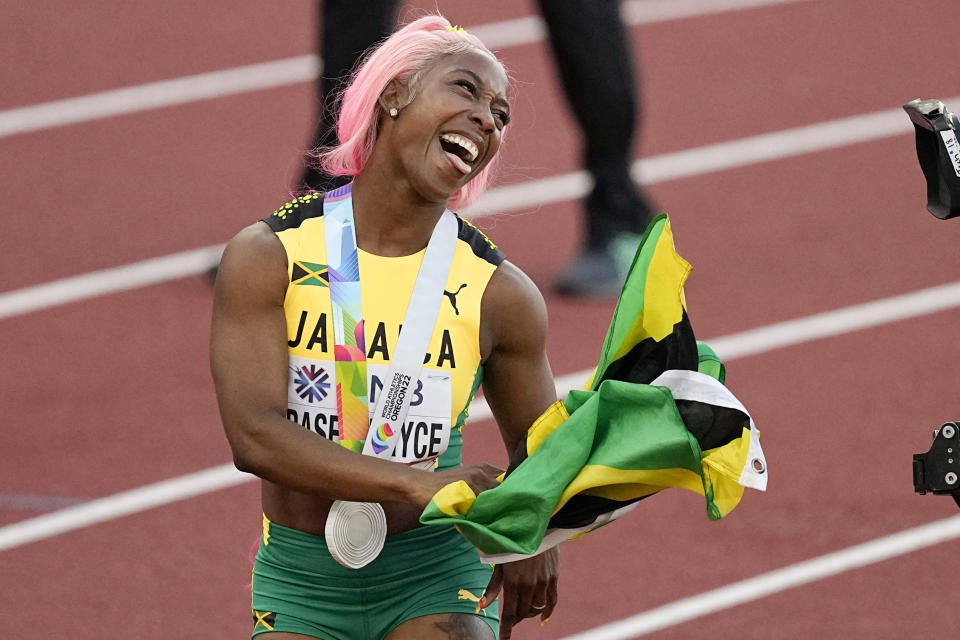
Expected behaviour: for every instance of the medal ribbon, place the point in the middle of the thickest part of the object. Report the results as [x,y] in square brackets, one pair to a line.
[349,347]
[355,531]
[357,432]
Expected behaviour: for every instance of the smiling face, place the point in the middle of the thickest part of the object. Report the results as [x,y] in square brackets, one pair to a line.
[452,127]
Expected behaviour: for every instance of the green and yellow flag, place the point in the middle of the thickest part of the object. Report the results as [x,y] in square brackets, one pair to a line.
[654,415]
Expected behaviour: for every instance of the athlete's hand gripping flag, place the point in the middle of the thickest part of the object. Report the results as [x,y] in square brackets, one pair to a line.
[654,415]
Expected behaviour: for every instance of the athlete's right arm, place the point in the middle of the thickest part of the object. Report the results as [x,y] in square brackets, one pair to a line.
[248,358]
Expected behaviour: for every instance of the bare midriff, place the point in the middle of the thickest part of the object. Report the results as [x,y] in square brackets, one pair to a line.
[308,513]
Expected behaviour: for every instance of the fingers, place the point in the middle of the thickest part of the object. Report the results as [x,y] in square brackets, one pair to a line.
[516,605]
[529,590]
[490,473]
[493,587]
[490,594]
[491,469]
[551,601]
[520,599]
[553,556]
[509,607]
[508,603]
[479,478]
[538,601]
[483,476]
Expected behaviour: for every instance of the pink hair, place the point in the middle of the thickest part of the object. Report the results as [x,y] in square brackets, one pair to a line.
[405,56]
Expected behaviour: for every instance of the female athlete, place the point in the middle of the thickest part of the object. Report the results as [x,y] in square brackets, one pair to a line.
[420,124]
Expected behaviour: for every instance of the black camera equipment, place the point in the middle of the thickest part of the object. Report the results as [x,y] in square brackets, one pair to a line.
[938,470]
[939,153]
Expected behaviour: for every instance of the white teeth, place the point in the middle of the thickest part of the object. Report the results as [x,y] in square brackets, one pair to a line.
[463,142]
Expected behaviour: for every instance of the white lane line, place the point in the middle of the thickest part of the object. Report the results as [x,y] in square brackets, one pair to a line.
[775,581]
[652,11]
[792,332]
[305,68]
[154,95]
[839,321]
[39,503]
[530,29]
[531,194]
[120,504]
[821,136]
[730,347]
[96,283]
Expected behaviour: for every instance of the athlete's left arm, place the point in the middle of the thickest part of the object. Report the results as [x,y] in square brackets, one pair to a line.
[519,386]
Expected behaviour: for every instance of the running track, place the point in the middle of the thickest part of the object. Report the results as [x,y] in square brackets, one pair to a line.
[110,393]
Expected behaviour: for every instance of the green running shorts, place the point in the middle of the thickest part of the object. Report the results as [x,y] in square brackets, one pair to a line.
[299,588]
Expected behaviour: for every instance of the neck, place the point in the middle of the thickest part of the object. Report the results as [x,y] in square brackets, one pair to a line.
[391,218]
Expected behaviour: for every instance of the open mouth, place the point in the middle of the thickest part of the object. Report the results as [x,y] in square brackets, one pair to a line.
[461,151]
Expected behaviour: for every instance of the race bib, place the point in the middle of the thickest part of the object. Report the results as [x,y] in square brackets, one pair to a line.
[425,434]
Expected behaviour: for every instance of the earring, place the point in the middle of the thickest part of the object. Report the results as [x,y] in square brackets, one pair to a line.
[393,112]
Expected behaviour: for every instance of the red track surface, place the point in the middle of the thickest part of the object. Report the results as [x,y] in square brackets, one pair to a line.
[113,393]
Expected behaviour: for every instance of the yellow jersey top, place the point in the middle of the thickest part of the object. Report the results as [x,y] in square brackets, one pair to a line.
[451,372]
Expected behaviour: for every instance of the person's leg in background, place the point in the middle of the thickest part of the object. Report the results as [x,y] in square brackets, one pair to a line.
[594,60]
[345,30]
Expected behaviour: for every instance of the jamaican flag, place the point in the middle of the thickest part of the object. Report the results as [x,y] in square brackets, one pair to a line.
[654,415]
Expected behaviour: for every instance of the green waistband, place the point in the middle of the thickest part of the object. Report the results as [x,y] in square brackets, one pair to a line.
[410,550]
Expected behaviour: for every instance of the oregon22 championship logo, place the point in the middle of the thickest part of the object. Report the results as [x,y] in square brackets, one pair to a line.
[380,437]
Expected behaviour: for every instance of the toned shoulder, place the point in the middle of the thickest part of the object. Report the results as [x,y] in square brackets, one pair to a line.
[513,309]
[255,262]
[254,243]
[512,287]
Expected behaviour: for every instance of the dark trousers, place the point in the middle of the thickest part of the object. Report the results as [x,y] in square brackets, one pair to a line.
[345,30]
[594,61]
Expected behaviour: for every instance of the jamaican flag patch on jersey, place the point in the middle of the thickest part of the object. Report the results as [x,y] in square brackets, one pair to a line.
[309,274]
[654,415]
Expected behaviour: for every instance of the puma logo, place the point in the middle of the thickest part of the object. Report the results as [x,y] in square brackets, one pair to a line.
[453,297]
[463,594]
